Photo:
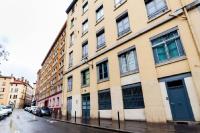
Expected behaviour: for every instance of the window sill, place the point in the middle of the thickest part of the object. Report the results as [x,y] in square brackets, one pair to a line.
[119,5]
[99,21]
[103,80]
[158,16]
[171,61]
[84,33]
[127,33]
[84,12]
[100,48]
[85,86]
[129,73]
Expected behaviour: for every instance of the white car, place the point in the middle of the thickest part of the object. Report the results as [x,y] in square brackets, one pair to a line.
[8,109]
[33,108]
[3,112]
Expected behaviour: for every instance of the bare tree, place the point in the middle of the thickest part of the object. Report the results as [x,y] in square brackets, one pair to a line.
[3,54]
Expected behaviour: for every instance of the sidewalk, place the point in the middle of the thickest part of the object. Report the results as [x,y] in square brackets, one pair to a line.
[132,126]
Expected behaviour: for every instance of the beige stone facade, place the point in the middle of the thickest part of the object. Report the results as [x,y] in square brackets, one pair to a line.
[16,92]
[131,57]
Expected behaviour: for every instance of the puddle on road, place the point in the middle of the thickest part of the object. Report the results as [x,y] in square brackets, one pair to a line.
[49,121]
[13,127]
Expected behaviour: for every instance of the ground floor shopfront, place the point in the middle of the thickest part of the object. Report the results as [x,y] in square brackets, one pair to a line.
[179,100]
[54,102]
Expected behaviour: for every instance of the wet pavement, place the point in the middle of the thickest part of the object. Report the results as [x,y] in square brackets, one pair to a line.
[24,122]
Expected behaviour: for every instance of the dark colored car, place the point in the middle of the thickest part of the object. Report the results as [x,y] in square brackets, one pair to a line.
[43,111]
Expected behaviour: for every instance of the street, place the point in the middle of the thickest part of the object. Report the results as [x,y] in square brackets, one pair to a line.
[24,122]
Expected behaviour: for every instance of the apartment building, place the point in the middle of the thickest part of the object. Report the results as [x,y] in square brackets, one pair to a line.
[138,58]
[50,76]
[4,89]
[15,91]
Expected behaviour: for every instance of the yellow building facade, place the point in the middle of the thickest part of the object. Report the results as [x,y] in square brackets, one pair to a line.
[139,59]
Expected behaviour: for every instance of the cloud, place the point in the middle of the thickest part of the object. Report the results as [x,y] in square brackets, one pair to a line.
[27,30]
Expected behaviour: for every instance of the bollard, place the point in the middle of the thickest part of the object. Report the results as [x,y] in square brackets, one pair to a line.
[67,116]
[118,120]
[75,116]
[99,118]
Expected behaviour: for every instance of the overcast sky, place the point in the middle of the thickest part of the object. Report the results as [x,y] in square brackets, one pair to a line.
[27,30]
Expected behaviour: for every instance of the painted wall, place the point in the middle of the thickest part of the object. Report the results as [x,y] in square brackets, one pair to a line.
[153,91]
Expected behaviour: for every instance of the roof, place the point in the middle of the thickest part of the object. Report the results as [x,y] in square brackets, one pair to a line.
[5,77]
[17,82]
[54,43]
[71,6]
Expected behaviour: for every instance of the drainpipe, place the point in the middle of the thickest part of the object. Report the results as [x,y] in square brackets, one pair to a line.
[194,36]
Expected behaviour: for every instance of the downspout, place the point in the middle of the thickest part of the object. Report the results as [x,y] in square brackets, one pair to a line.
[194,36]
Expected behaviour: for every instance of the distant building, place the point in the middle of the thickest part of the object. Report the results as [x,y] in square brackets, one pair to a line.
[49,83]
[16,92]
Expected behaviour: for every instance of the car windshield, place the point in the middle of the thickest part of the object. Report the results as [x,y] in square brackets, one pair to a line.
[7,107]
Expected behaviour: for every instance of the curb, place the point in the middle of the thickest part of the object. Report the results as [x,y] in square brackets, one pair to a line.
[91,126]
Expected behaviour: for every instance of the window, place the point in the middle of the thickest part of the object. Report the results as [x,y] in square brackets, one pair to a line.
[133,96]
[123,25]
[72,22]
[119,2]
[70,59]
[85,7]
[85,50]
[104,100]
[167,47]
[16,90]
[70,82]
[155,7]
[10,96]
[99,13]
[1,96]
[73,9]
[14,96]
[2,89]
[85,27]
[100,39]
[72,38]
[58,101]
[128,61]
[85,77]
[102,71]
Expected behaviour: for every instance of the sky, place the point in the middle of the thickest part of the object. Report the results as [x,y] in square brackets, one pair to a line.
[28,28]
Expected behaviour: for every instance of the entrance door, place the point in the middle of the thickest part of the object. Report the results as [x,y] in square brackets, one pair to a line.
[86,106]
[179,101]
[69,107]
[46,103]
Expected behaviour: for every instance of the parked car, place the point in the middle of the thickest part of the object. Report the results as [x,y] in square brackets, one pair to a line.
[3,113]
[8,109]
[32,108]
[43,111]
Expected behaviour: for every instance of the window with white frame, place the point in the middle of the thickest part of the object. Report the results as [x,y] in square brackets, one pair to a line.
[85,7]
[99,13]
[71,59]
[102,69]
[128,61]
[72,38]
[155,7]
[85,27]
[85,78]
[85,50]
[168,46]
[123,25]
[119,2]
[100,39]
[70,82]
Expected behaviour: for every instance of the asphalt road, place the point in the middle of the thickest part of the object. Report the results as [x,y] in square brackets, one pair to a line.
[24,122]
